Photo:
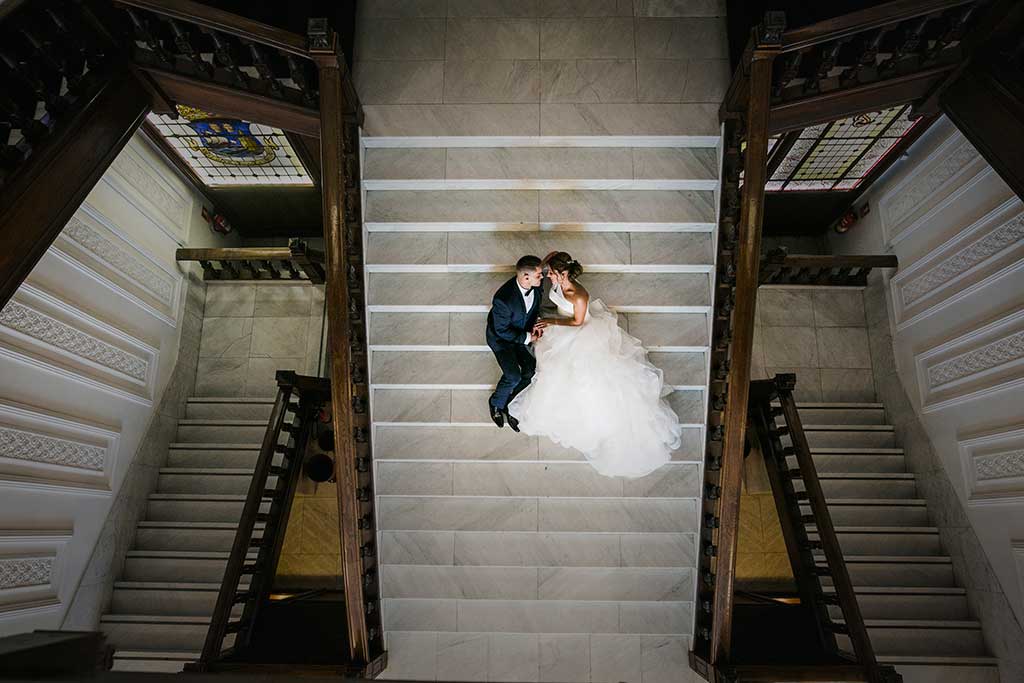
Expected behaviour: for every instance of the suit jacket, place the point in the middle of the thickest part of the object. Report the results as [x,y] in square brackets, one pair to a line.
[509,321]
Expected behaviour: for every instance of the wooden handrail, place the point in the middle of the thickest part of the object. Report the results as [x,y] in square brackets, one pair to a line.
[781,268]
[251,263]
[225,22]
[862,20]
[747,268]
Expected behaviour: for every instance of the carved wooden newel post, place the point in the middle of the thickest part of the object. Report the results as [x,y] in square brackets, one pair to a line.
[347,357]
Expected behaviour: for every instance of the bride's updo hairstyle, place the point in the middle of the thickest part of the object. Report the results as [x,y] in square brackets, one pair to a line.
[563,263]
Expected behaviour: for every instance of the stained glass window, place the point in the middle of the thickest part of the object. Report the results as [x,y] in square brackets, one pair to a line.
[225,151]
[840,154]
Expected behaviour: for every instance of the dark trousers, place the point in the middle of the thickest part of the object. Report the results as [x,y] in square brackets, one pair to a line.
[517,368]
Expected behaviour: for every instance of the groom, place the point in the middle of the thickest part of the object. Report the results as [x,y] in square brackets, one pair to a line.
[511,328]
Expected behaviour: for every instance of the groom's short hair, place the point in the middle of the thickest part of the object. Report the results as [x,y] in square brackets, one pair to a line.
[528,263]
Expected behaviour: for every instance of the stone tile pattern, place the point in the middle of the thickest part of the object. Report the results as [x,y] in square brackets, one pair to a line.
[250,331]
[1004,635]
[821,335]
[116,537]
[550,67]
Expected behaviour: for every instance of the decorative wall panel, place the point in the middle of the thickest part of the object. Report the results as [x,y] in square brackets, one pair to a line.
[38,326]
[30,570]
[41,448]
[132,176]
[988,359]
[90,240]
[976,256]
[994,466]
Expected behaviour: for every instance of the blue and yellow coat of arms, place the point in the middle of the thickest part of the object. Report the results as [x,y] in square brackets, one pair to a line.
[226,140]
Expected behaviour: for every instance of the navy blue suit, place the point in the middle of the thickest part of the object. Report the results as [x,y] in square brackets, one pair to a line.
[508,323]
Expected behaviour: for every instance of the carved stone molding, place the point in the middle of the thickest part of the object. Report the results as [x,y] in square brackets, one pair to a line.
[982,361]
[39,326]
[141,184]
[974,258]
[993,466]
[39,448]
[945,171]
[30,569]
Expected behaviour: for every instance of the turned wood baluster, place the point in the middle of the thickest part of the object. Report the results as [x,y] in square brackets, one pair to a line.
[262,66]
[789,72]
[911,41]
[142,32]
[188,51]
[953,33]
[298,75]
[866,60]
[223,53]
[827,62]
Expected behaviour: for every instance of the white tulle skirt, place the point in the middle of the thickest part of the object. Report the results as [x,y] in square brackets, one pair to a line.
[595,391]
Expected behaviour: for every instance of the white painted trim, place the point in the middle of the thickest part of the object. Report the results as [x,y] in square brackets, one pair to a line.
[496,268]
[403,308]
[1000,490]
[949,292]
[837,288]
[999,377]
[543,141]
[493,226]
[539,184]
[34,544]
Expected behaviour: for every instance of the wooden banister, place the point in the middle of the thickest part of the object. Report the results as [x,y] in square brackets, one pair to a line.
[225,22]
[839,270]
[747,268]
[864,20]
[294,262]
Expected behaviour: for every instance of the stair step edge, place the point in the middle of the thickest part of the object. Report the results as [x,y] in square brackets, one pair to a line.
[198,496]
[177,655]
[213,446]
[919,623]
[220,422]
[154,619]
[210,471]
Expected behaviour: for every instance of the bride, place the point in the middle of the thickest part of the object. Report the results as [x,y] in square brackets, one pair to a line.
[594,389]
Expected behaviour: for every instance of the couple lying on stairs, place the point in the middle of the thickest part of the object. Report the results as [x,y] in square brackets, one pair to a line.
[577,378]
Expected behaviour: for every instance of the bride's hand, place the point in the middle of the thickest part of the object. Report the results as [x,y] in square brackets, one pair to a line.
[541,324]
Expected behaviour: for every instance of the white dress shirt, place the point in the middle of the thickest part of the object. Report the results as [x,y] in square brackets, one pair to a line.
[527,295]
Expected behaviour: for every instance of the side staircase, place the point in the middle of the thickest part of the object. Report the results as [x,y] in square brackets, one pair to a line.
[163,600]
[916,614]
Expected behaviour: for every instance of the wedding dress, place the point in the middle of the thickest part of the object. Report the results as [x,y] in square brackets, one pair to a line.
[595,391]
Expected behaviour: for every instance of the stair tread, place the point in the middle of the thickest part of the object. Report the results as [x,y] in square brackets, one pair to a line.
[887,529]
[919,623]
[232,399]
[182,655]
[232,471]
[218,421]
[155,618]
[228,526]
[879,502]
[937,659]
[197,496]
[893,559]
[183,554]
[166,585]
[908,476]
[852,450]
[847,428]
[903,590]
[213,446]
[837,405]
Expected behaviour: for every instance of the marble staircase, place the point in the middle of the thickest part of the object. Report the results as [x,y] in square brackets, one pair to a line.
[505,556]
[916,613]
[161,604]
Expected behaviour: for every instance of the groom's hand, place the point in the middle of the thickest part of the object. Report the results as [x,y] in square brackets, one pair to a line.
[535,335]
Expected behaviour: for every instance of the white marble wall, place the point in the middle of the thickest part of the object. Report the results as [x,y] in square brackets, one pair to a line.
[946,344]
[88,346]
[541,67]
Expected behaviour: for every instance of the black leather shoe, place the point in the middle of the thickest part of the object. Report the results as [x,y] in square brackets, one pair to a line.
[498,416]
[512,422]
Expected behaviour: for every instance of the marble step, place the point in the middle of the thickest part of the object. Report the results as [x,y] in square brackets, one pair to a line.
[460,513]
[448,290]
[232,456]
[675,480]
[842,413]
[503,248]
[465,405]
[160,633]
[152,661]
[405,367]
[534,583]
[538,549]
[214,480]
[868,485]
[462,329]
[888,540]
[856,460]
[896,570]
[194,507]
[912,637]
[932,668]
[472,441]
[841,436]
[902,602]
[540,206]
[166,597]
[563,657]
[876,511]
[187,566]
[537,616]
[228,408]
[547,163]
[221,431]
[187,536]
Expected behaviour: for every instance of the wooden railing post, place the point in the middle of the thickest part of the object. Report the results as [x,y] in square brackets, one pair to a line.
[747,272]
[345,364]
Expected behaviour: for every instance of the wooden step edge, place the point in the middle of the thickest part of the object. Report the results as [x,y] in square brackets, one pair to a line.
[887,530]
[212,526]
[166,586]
[182,554]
